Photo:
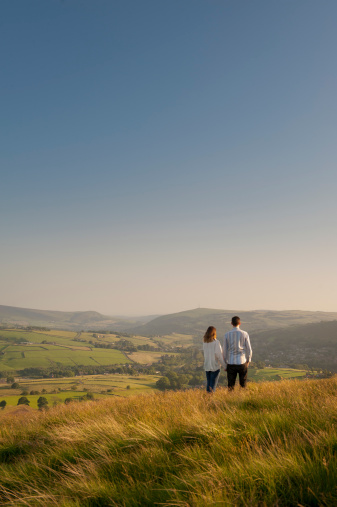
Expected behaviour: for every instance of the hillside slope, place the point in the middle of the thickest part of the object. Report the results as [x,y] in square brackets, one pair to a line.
[196,321]
[313,344]
[269,445]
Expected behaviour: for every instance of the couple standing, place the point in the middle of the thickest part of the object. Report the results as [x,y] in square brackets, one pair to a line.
[235,356]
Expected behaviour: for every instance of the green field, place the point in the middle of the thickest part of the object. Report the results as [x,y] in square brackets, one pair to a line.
[53,399]
[145,357]
[21,334]
[57,390]
[24,349]
[177,340]
[19,357]
[274,374]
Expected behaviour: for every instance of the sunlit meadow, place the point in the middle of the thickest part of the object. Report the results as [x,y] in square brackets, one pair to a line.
[274,444]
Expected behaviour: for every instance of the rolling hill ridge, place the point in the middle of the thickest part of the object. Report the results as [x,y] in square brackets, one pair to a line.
[74,321]
[192,322]
[196,321]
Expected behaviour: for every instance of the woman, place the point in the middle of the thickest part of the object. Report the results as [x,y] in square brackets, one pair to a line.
[213,359]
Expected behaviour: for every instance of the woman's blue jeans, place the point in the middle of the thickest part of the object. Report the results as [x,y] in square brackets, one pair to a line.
[212,378]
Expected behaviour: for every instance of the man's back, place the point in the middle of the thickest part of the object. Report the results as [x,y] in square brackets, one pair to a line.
[236,347]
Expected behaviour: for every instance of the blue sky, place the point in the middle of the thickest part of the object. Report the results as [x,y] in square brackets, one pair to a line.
[161,155]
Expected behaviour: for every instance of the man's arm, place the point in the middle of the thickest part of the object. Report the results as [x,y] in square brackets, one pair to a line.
[225,350]
[219,354]
[248,349]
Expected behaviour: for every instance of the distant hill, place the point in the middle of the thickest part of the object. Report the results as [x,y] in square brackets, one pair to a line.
[196,321]
[65,320]
[191,322]
[313,344]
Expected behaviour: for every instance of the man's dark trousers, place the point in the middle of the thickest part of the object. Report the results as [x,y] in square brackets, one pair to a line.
[233,370]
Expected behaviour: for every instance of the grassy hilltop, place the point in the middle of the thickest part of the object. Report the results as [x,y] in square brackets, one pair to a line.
[274,444]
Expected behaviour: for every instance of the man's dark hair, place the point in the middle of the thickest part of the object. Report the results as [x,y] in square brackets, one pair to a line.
[236,321]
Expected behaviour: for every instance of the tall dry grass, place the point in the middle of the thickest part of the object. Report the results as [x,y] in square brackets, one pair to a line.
[274,444]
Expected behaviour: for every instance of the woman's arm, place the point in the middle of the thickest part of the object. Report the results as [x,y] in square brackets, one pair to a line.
[218,354]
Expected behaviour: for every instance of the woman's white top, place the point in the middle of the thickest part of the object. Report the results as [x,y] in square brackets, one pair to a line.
[213,356]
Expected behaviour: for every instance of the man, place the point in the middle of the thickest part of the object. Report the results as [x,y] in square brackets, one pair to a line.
[237,353]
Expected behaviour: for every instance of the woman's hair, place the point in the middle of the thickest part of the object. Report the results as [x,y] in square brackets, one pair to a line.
[210,335]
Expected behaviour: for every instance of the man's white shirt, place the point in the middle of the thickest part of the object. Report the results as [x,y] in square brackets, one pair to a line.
[236,347]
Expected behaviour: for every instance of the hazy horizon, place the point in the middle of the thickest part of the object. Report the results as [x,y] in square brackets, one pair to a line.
[154,315]
[162,156]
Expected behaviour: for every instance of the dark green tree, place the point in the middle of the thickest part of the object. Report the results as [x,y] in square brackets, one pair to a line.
[163,383]
[260,365]
[197,380]
[175,380]
[42,403]
[23,401]
[3,403]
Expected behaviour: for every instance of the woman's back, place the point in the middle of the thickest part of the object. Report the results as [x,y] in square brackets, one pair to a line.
[212,355]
